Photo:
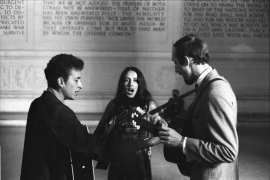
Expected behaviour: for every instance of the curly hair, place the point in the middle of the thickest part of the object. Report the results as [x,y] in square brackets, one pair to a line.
[60,66]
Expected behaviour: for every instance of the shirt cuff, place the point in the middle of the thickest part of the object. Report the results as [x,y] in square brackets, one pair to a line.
[184,145]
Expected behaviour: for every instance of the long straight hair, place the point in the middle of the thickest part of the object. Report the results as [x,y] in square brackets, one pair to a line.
[142,97]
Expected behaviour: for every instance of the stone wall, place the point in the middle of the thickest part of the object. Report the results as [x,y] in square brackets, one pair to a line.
[112,34]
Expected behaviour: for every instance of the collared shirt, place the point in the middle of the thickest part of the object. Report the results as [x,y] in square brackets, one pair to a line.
[56,94]
[202,76]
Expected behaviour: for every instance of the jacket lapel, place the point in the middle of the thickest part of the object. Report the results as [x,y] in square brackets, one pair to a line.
[211,75]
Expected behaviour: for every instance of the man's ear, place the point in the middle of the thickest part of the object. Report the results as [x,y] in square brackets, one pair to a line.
[60,82]
[186,61]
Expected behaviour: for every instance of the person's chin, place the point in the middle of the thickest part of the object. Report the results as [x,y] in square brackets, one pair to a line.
[72,98]
[188,82]
[131,96]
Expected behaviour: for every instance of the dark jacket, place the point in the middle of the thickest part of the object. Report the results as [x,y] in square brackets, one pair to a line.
[52,129]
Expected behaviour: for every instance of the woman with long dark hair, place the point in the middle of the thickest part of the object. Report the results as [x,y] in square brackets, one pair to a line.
[131,147]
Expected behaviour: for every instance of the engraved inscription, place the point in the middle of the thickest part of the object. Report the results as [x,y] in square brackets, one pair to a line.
[13,18]
[227,18]
[85,18]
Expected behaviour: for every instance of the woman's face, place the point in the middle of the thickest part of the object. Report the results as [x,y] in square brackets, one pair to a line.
[131,84]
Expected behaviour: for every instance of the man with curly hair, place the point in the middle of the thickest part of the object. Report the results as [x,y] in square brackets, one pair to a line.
[53,132]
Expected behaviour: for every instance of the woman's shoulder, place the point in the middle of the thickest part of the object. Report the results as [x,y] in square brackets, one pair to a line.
[111,107]
[112,102]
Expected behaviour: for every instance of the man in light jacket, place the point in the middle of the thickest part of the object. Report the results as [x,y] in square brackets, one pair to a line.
[212,149]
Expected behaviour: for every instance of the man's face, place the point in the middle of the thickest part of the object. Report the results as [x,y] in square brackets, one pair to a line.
[131,84]
[183,70]
[73,85]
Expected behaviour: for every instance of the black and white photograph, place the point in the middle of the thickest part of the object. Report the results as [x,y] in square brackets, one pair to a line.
[134,90]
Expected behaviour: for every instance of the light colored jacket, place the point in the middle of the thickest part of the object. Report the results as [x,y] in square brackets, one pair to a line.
[214,148]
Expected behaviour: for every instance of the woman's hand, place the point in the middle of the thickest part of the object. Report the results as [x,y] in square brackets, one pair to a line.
[140,111]
[162,122]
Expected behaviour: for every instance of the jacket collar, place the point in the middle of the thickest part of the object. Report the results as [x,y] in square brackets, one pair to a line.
[203,74]
[48,95]
[211,75]
[56,94]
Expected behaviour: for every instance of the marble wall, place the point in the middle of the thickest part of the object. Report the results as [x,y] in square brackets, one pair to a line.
[110,35]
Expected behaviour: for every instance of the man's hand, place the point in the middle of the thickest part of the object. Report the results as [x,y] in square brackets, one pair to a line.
[169,136]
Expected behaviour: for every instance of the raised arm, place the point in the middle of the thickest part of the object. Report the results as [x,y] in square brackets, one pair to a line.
[153,141]
[107,116]
[156,118]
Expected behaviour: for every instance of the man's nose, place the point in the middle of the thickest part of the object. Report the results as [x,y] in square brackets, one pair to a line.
[176,70]
[80,85]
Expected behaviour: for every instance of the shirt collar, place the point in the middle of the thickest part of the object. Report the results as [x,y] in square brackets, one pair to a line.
[203,74]
[56,94]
